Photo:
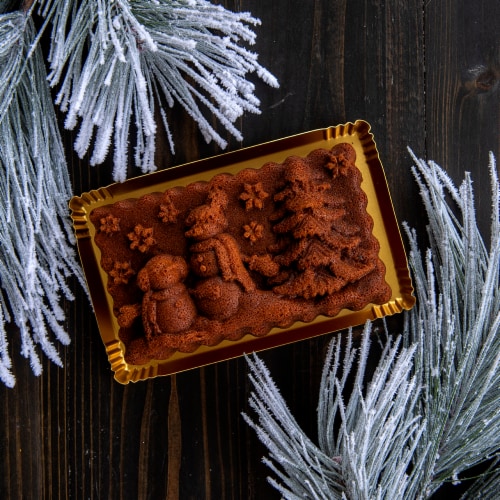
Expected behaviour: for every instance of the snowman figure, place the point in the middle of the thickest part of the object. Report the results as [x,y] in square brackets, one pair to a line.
[216,259]
[166,305]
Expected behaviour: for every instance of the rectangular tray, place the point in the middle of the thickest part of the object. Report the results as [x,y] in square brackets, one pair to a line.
[380,208]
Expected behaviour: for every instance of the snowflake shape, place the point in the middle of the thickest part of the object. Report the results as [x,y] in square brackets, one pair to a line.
[109,224]
[253,231]
[253,195]
[168,213]
[141,238]
[121,273]
[337,164]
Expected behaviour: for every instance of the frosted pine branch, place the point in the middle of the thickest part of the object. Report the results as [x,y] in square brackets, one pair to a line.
[293,457]
[457,327]
[431,411]
[369,455]
[141,57]
[36,252]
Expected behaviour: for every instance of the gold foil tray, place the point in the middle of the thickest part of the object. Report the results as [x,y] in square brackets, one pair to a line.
[380,207]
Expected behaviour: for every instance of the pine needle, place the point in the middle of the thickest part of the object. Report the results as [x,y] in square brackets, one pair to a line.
[36,242]
[141,57]
[456,327]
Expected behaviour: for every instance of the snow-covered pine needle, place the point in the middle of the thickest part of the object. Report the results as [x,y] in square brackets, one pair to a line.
[369,454]
[432,408]
[36,242]
[296,461]
[486,486]
[457,327]
[118,62]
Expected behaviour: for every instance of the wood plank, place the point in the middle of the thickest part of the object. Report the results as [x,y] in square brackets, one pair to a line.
[462,46]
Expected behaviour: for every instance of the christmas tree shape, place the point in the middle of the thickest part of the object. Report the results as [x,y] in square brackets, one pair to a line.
[320,245]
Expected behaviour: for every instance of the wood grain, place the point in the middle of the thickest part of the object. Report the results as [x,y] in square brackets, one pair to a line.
[425,75]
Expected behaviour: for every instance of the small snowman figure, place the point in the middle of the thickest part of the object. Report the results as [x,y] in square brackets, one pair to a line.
[166,305]
[216,260]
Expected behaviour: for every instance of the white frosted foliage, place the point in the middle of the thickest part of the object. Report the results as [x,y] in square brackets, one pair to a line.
[36,245]
[141,57]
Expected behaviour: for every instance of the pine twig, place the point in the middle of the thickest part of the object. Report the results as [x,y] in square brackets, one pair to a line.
[368,456]
[36,252]
[144,54]
[457,327]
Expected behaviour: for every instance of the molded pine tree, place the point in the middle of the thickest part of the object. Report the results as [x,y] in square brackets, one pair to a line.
[319,243]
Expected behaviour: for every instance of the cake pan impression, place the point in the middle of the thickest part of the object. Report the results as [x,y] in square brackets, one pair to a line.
[185,201]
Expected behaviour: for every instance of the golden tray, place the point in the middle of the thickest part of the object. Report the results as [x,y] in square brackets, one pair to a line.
[380,208]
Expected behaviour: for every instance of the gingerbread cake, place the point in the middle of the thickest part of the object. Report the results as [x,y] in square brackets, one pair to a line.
[240,254]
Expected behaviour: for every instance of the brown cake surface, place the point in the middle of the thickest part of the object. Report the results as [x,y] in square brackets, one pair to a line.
[240,254]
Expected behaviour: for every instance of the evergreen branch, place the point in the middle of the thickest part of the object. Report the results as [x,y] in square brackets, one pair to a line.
[141,56]
[457,328]
[368,457]
[12,27]
[36,254]
[305,471]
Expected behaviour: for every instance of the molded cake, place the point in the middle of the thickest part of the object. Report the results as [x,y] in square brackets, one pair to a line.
[240,254]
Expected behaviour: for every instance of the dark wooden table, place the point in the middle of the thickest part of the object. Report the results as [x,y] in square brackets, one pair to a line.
[425,74]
